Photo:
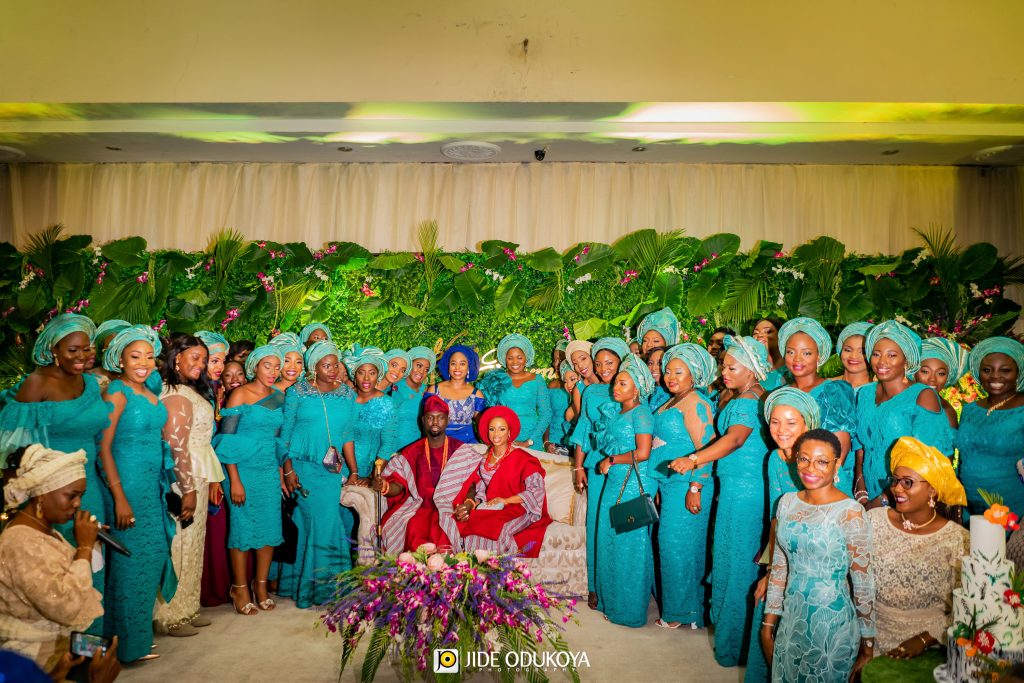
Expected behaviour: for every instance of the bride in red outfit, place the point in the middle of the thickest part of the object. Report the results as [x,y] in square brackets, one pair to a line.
[503,507]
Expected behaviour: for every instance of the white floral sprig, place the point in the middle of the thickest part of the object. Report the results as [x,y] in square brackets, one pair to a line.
[781,301]
[903,321]
[494,275]
[920,257]
[583,278]
[793,272]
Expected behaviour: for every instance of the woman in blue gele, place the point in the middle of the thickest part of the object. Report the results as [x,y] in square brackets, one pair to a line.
[459,367]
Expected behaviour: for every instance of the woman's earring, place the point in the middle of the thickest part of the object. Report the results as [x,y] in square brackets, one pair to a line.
[39,508]
[835,479]
[931,502]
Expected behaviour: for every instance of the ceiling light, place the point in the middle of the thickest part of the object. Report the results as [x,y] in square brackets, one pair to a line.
[639,148]
[1011,155]
[470,150]
[112,148]
[889,152]
[344,149]
[10,153]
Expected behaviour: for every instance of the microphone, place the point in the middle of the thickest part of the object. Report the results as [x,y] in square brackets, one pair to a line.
[114,544]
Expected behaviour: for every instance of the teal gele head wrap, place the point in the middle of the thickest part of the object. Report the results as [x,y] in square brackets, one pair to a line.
[904,337]
[366,355]
[214,341]
[258,354]
[640,373]
[703,367]
[516,341]
[110,327]
[399,353]
[317,351]
[813,329]
[129,335]
[562,345]
[57,329]
[422,352]
[664,322]
[749,353]
[565,367]
[310,329]
[617,346]
[949,352]
[793,397]
[859,329]
[288,342]
[1011,347]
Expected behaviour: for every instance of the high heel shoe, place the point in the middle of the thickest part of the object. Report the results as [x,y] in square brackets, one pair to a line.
[249,609]
[265,605]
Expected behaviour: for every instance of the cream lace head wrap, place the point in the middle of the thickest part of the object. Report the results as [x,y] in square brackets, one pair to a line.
[43,470]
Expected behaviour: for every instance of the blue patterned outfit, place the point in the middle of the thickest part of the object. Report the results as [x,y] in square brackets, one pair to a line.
[407,412]
[594,396]
[248,439]
[624,562]
[880,425]
[820,550]
[460,416]
[529,401]
[739,531]
[141,457]
[324,524]
[373,432]
[682,536]
[990,446]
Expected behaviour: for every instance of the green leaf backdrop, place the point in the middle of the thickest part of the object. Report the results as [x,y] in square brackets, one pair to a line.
[252,288]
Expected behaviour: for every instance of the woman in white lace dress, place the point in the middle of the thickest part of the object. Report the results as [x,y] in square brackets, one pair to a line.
[189,429]
[917,551]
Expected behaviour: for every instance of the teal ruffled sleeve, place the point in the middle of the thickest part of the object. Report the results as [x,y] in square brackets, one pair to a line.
[231,447]
[22,424]
[741,411]
[838,412]
[643,420]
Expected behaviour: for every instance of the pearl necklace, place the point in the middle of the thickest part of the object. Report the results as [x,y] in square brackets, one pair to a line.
[910,526]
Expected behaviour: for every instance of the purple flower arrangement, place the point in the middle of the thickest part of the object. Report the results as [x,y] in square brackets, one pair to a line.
[420,601]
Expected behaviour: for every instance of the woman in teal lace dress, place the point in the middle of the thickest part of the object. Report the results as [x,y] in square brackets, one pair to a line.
[850,347]
[658,330]
[408,394]
[318,416]
[816,630]
[60,406]
[991,435]
[398,367]
[515,387]
[134,458]
[625,561]
[608,353]
[685,423]
[894,406]
[560,397]
[789,413]
[739,453]
[374,429]
[766,331]
[247,445]
[943,363]
[806,347]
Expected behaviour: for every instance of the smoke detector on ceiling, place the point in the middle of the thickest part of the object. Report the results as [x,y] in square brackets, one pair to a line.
[1003,155]
[10,153]
[470,150]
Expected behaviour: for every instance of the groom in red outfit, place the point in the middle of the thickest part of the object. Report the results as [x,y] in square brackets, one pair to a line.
[411,480]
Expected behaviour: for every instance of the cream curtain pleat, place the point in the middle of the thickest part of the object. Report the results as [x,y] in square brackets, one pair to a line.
[180,205]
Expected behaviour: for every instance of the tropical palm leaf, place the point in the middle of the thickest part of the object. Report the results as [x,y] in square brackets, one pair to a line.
[744,299]
[649,252]
[41,245]
[228,248]
[940,242]
[374,654]
[426,238]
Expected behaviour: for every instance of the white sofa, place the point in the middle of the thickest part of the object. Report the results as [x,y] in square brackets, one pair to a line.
[562,563]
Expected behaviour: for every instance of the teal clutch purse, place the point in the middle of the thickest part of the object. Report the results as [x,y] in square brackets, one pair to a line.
[635,513]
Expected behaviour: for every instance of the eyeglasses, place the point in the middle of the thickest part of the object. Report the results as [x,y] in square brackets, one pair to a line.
[905,483]
[820,465]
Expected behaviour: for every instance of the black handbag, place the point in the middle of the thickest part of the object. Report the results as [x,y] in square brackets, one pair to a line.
[635,513]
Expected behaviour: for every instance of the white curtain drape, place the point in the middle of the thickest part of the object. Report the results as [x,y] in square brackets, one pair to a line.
[180,205]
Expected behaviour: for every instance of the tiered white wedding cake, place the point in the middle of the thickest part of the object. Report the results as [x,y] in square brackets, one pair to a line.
[988,620]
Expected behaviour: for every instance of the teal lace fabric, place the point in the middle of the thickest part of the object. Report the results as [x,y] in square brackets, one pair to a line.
[821,550]
[990,447]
